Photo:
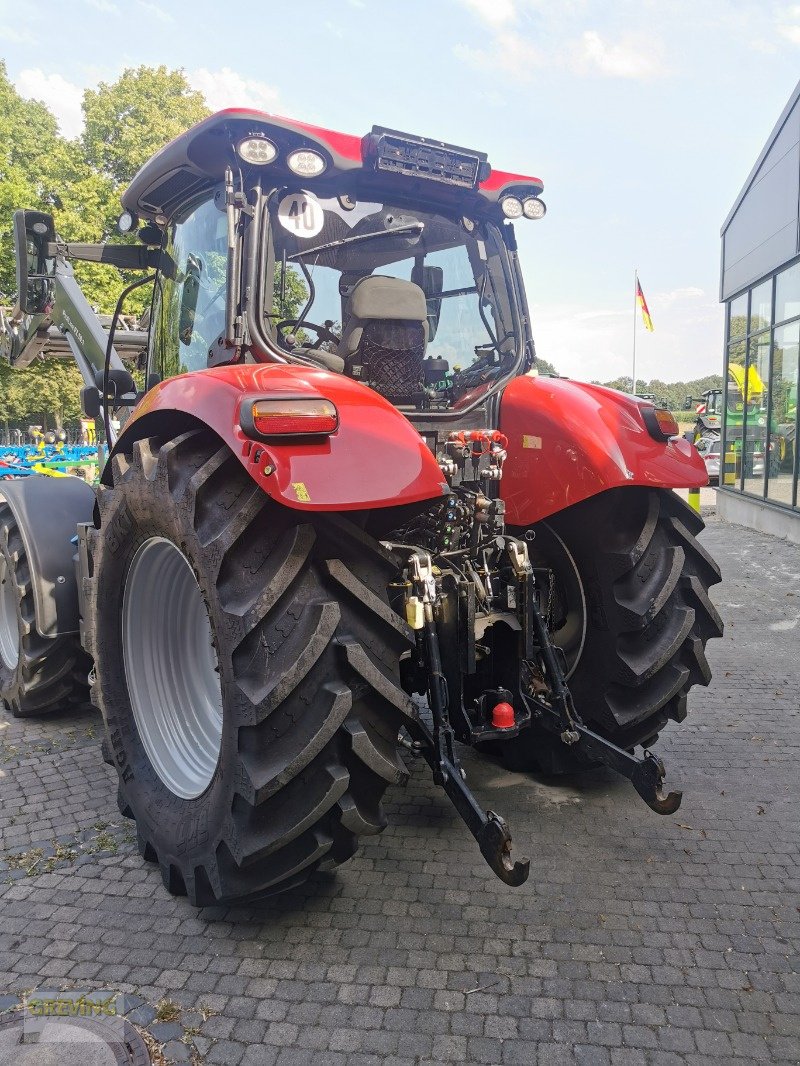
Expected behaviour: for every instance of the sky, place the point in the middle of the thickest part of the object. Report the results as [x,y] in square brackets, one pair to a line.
[642,118]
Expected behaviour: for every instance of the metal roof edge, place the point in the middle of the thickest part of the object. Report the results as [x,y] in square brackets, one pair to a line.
[769,143]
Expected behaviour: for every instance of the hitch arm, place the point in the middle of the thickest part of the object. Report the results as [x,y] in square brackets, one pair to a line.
[488,828]
[646,775]
[560,717]
[437,747]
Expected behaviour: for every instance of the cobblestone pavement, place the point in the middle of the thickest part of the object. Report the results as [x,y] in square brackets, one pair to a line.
[637,939]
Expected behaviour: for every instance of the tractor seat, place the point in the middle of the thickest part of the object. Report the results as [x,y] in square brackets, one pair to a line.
[385,334]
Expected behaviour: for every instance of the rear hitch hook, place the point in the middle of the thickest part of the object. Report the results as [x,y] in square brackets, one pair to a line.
[495,844]
[647,779]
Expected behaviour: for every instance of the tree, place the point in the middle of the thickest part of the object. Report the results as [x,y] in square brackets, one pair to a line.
[28,138]
[128,121]
[671,394]
[79,182]
[544,367]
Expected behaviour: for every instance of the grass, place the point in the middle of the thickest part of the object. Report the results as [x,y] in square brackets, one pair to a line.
[167,1011]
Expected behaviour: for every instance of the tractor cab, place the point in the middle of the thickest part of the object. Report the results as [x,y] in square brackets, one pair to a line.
[387,259]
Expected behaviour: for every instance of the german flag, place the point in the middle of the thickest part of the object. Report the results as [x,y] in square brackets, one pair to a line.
[648,322]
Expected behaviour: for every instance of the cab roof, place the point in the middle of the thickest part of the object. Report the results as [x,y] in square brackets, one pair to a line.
[385,160]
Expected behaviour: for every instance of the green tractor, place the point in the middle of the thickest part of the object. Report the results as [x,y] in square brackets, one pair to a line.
[747,405]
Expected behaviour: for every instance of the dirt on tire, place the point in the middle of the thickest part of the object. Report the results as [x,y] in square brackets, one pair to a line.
[645,580]
[308,652]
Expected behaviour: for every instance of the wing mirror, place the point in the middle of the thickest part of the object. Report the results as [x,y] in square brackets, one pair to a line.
[33,232]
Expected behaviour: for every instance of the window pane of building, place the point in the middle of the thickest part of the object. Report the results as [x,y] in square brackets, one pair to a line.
[737,324]
[734,404]
[752,386]
[761,306]
[783,413]
[787,293]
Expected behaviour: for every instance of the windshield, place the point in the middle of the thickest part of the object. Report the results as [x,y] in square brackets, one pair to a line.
[413,302]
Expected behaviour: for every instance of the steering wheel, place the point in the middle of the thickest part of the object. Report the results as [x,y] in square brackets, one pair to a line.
[323,333]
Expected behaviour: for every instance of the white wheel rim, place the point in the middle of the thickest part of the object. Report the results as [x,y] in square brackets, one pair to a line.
[9,622]
[171,668]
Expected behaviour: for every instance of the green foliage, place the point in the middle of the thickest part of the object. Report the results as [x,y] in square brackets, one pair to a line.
[671,394]
[130,120]
[295,292]
[46,393]
[80,183]
[544,367]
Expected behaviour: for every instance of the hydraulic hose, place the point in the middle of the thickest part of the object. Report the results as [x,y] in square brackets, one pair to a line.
[110,348]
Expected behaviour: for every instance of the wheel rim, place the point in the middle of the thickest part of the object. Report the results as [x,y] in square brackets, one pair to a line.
[549,550]
[171,668]
[9,624]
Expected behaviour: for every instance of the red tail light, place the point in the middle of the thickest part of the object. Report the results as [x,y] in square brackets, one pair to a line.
[287,417]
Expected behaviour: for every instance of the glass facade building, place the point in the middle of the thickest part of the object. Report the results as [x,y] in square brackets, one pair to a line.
[760,287]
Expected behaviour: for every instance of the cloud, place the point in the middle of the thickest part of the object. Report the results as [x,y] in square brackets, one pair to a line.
[15,35]
[62,97]
[510,53]
[493,12]
[225,88]
[790,33]
[688,292]
[157,12]
[525,36]
[596,343]
[630,57]
[589,316]
[105,6]
[334,30]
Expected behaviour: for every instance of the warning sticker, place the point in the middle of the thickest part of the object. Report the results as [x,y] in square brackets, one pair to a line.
[301,492]
[531,442]
[301,214]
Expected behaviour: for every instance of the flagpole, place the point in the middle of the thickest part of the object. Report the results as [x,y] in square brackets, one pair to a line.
[635,310]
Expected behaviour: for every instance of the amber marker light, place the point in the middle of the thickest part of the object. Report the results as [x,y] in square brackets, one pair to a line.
[660,424]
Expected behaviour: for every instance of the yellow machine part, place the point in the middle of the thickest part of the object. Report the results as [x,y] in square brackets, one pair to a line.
[750,384]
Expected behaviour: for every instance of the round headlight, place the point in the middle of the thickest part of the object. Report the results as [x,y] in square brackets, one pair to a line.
[512,207]
[533,207]
[257,150]
[305,162]
[127,222]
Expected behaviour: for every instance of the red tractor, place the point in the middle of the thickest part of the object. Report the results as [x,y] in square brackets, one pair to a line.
[343,516]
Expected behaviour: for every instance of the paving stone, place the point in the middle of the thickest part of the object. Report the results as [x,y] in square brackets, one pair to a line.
[177,1051]
[164,1031]
[638,941]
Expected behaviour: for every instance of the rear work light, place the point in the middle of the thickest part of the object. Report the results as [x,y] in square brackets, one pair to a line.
[257,150]
[286,417]
[660,424]
[306,163]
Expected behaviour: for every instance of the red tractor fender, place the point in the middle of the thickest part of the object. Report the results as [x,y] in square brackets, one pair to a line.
[568,440]
[375,458]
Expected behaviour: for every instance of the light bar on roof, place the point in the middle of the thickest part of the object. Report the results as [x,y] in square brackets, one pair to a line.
[415,157]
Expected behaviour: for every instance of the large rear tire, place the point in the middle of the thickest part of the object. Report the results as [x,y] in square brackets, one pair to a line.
[38,675]
[244,785]
[644,581]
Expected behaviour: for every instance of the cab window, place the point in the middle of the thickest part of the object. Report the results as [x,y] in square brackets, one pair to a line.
[190,294]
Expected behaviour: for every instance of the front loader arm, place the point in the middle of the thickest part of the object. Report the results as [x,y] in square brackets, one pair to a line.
[68,326]
[69,316]
[52,316]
